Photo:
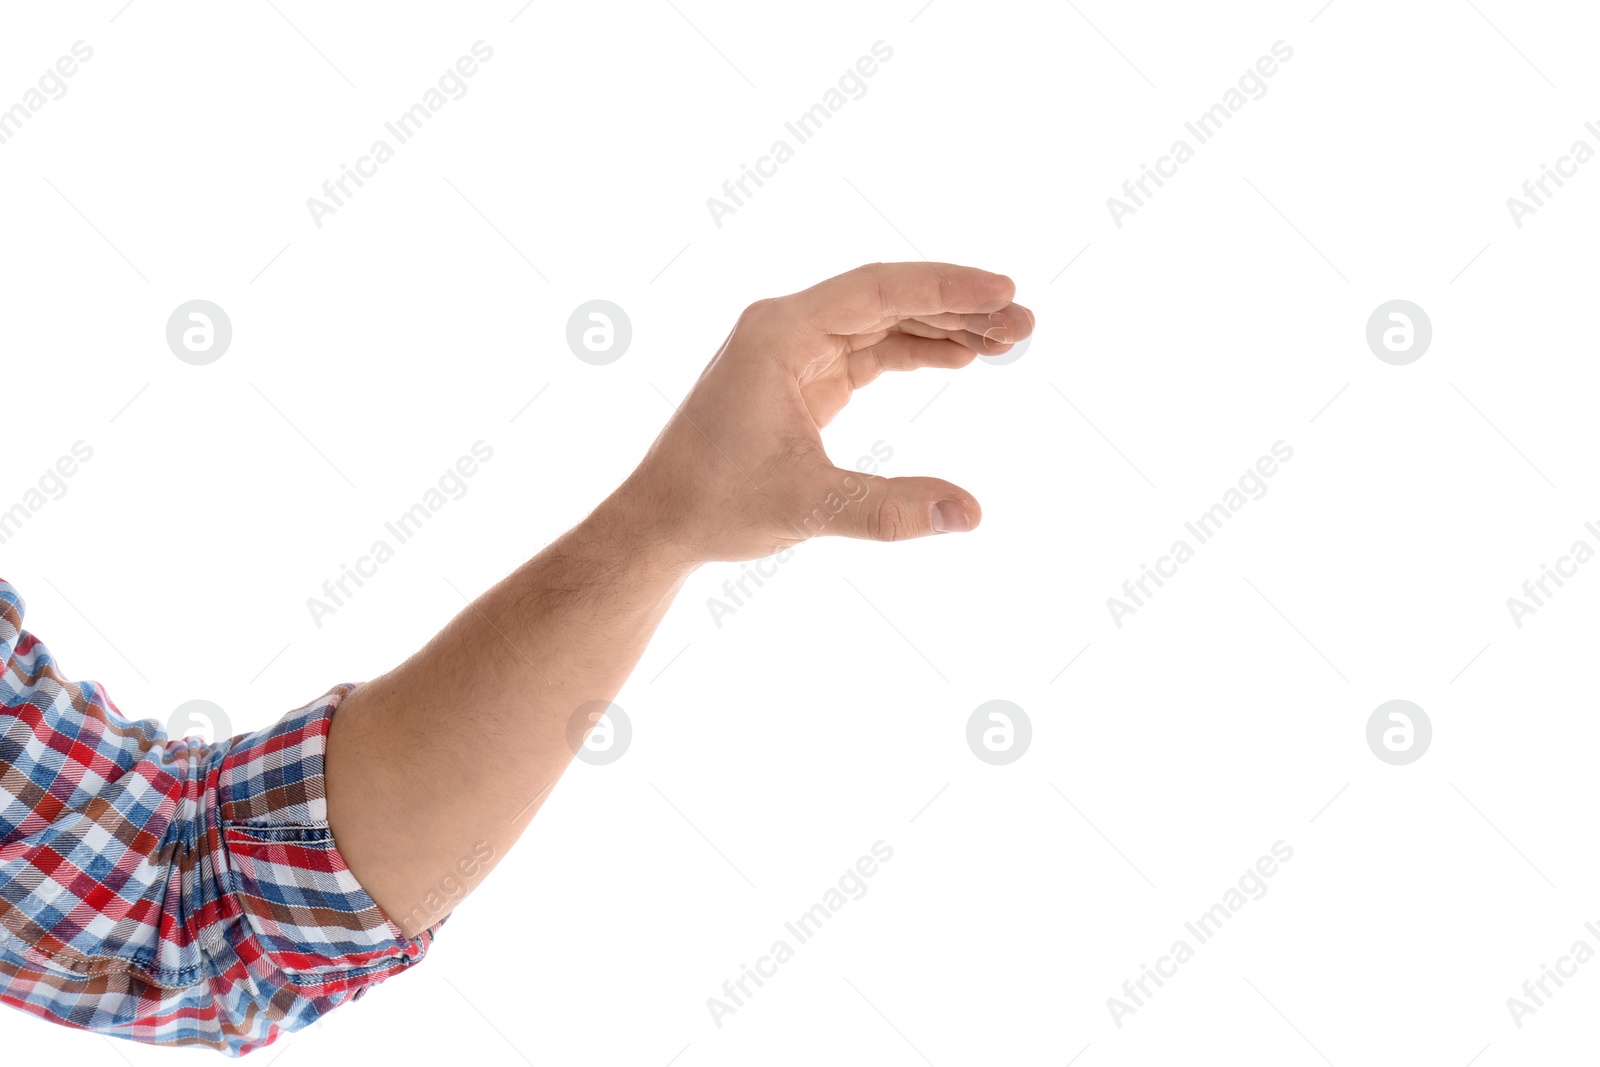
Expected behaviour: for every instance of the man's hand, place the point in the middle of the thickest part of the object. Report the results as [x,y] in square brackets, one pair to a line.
[435,768]
[740,472]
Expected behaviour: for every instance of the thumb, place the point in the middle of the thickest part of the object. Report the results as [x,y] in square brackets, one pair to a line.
[890,509]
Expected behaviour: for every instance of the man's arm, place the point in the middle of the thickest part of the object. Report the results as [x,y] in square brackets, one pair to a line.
[436,767]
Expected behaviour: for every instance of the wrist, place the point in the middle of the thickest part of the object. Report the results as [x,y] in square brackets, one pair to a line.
[634,532]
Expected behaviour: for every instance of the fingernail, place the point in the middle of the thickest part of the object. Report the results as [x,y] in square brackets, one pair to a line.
[950,517]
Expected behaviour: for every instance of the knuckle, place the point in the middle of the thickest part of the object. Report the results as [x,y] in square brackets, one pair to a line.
[758,311]
[759,319]
[894,521]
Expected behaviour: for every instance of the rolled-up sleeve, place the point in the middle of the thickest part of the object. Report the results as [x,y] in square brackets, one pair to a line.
[168,890]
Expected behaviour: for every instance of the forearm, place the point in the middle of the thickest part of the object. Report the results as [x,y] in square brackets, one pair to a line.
[448,756]
[437,766]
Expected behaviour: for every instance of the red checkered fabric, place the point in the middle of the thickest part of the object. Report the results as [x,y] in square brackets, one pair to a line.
[169,890]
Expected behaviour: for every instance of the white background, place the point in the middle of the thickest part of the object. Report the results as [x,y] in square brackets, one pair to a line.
[830,711]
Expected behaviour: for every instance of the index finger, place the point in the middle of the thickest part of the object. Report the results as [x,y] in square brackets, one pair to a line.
[878,293]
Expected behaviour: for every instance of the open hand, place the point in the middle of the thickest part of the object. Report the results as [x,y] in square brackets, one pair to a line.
[740,471]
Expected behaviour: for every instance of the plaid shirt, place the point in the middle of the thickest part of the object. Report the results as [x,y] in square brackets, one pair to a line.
[172,891]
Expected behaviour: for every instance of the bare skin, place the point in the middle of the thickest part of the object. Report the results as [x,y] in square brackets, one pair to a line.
[435,768]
